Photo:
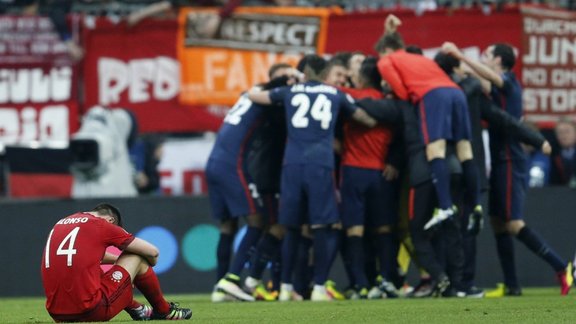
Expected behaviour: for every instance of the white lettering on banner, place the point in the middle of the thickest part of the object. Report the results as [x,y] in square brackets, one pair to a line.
[33,85]
[231,68]
[550,51]
[563,78]
[534,77]
[549,100]
[20,126]
[270,33]
[145,79]
[237,77]
[213,68]
[182,165]
[549,26]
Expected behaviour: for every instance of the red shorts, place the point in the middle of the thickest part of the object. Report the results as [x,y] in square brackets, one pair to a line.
[116,291]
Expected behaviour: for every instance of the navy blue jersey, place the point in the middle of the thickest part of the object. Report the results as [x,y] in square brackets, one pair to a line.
[311,112]
[235,132]
[266,150]
[509,99]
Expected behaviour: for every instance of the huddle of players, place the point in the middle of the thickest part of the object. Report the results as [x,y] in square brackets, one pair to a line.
[274,163]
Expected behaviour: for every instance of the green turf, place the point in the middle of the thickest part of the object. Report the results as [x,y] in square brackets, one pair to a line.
[538,305]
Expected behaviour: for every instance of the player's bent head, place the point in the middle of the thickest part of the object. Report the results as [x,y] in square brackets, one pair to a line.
[107,209]
[389,42]
[414,49]
[369,72]
[312,66]
[506,54]
[446,62]
[276,69]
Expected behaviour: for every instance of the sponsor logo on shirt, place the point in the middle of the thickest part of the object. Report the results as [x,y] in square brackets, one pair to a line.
[117,276]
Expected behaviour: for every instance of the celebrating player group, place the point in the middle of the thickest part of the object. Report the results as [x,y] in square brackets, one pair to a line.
[362,156]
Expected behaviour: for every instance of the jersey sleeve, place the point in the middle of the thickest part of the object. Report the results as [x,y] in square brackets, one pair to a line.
[278,95]
[390,74]
[116,236]
[348,105]
[508,83]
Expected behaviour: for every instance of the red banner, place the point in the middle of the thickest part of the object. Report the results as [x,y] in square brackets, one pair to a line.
[467,28]
[38,101]
[549,58]
[136,68]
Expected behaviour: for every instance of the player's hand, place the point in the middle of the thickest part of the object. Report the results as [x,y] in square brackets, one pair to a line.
[391,24]
[390,172]
[203,24]
[295,76]
[76,52]
[546,148]
[452,49]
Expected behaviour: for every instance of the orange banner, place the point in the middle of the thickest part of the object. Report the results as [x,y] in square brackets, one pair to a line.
[217,68]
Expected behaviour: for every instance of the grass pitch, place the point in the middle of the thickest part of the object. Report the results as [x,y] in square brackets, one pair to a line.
[538,305]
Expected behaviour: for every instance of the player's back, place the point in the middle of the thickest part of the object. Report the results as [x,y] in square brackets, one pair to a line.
[266,151]
[239,123]
[365,147]
[71,261]
[311,112]
[508,98]
[418,73]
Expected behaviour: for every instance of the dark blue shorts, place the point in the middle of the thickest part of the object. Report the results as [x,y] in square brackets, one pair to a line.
[507,190]
[367,198]
[443,114]
[230,192]
[269,208]
[307,196]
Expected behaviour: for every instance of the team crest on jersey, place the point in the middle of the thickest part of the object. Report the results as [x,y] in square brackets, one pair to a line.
[117,276]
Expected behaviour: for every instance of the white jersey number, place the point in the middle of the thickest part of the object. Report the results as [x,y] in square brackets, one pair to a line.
[234,115]
[321,111]
[66,247]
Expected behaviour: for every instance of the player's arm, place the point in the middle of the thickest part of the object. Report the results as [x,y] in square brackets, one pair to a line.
[356,113]
[385,111]
[259,96]
[144,249]
[150,10]
[478,68]
[109,258]
[389,73]
[363,118]
[505,123]
[391,24]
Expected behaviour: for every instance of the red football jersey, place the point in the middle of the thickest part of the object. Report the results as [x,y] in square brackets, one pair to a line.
[411,76]
[365,147]
[71,261]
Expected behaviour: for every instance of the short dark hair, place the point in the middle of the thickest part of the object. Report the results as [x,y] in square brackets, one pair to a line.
[369,72]
[276,67]
[506,54]
[392,41]
[107,209]
[343,57]
[414,49]
[446,62]
[312,65]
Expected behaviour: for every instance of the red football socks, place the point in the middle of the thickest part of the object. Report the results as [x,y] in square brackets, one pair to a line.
[149,285]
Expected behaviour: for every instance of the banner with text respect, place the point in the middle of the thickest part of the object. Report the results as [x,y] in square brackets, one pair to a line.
[217,68]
